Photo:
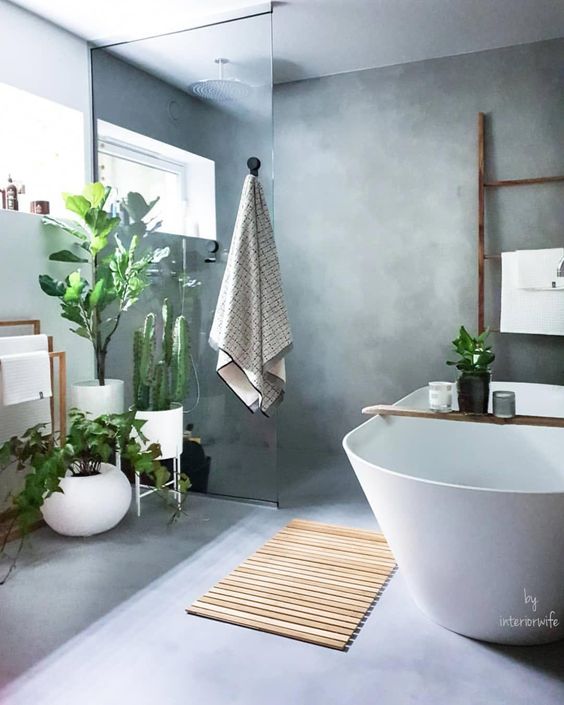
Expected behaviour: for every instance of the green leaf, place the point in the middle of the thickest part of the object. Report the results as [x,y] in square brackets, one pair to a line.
[94,193]
[69,226]
[75,287]
[76,204]
[98,244]
[82,332]
[52,287]
[137,207]
[97,293]
[66,256]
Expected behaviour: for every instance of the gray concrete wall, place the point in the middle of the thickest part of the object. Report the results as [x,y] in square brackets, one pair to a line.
[375,203]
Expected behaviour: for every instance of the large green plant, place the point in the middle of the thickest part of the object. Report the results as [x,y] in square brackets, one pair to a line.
[475,355]
[119,273]
[89,442]
[159,380]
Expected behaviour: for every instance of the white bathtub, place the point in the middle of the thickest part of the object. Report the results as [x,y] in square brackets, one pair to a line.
[474,514]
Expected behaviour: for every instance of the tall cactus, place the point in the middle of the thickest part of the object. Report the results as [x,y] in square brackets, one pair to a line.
[158,383]
[180,363]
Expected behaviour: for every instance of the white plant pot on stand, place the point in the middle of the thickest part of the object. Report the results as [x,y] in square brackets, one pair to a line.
[88,505]
[167,429]
[95,399]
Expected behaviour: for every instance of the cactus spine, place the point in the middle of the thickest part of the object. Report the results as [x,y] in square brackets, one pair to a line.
[158,383]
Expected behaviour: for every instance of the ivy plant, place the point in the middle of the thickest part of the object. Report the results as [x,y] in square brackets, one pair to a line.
[119,272]
[47,458]
[475,355]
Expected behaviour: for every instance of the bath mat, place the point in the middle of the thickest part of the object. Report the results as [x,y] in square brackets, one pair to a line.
[313,582]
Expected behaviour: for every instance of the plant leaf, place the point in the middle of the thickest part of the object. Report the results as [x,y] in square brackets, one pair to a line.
[52,287]
[66,256]
[77,204]
[94,193]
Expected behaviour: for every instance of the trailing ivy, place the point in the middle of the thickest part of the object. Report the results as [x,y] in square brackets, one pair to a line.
[88,443]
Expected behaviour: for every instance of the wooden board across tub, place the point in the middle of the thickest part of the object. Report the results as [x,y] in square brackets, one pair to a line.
[311,581]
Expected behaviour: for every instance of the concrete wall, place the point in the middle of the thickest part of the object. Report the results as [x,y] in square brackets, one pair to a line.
[375,203]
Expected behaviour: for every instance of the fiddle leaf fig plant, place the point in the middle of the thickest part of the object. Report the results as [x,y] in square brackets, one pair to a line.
[475,355]
[119,272]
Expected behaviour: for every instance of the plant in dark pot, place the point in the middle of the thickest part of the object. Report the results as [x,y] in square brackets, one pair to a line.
[474,365]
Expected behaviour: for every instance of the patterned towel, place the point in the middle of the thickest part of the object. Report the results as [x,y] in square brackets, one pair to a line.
[251,331]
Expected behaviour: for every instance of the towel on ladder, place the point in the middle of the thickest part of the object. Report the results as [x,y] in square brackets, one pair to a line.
[25,377]
[251,331]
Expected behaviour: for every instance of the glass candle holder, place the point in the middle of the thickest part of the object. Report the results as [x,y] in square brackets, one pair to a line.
[503,403]
[440,396]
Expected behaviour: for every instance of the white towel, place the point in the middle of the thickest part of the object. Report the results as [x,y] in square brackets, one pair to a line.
[536,269]
[528,311]
[251,330]
[16,419]
[25,377]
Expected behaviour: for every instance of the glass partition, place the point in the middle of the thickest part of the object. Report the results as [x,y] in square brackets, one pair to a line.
[168,90]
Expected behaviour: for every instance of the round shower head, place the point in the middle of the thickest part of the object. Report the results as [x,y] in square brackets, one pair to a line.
[220,90]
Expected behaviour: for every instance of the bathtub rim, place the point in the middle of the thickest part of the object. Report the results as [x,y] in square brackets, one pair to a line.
[350,453]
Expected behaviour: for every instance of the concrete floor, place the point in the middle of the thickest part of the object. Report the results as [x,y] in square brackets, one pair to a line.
[101,621]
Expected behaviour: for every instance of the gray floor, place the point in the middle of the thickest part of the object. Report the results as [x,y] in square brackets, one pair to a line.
[101,621]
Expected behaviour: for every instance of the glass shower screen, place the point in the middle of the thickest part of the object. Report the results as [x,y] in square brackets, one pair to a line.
[204,95]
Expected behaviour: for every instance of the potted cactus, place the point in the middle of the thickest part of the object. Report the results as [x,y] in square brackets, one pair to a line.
[160,379]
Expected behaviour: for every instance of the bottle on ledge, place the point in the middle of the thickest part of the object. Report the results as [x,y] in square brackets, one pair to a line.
[11,195]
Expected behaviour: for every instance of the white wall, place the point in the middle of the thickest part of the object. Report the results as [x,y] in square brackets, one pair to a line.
[38,57]
[41,58]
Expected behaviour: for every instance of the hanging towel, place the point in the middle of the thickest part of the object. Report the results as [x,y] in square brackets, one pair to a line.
[536,269]
[525,310]
[25,377]
[251,331]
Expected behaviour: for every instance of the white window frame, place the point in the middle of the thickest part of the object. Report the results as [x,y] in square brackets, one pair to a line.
[197,173]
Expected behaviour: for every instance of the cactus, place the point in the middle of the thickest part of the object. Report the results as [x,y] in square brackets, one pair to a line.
[167,331]
[158,383]
[180,363]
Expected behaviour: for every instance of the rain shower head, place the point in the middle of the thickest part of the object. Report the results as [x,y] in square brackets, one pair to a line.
[220,90]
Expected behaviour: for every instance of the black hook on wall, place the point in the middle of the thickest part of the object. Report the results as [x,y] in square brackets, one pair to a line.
[254,165]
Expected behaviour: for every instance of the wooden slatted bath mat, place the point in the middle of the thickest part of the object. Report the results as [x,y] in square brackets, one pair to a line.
[313,582]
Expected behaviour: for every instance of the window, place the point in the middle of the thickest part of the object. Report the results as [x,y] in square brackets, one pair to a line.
[41,148]
[183,182]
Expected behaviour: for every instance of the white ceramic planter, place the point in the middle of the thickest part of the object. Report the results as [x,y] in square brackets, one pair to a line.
[95,400]
[166,428]
[88,505]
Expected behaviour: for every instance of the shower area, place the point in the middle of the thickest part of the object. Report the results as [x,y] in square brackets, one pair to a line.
[177,117]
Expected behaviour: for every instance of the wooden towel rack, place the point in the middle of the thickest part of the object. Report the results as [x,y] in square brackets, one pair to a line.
[385,410]
[61,358]
[483,184]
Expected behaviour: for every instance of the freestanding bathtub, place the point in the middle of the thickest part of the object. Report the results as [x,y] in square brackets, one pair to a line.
[474,514]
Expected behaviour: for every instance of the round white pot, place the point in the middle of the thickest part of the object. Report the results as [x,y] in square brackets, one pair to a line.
[88,505]
[166,428]
[96,400]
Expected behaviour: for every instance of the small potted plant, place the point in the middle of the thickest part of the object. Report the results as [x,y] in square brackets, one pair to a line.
[474,365]
[119,278]
[160,379]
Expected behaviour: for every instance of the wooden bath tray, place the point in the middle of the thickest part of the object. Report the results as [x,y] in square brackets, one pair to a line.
[386,410]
